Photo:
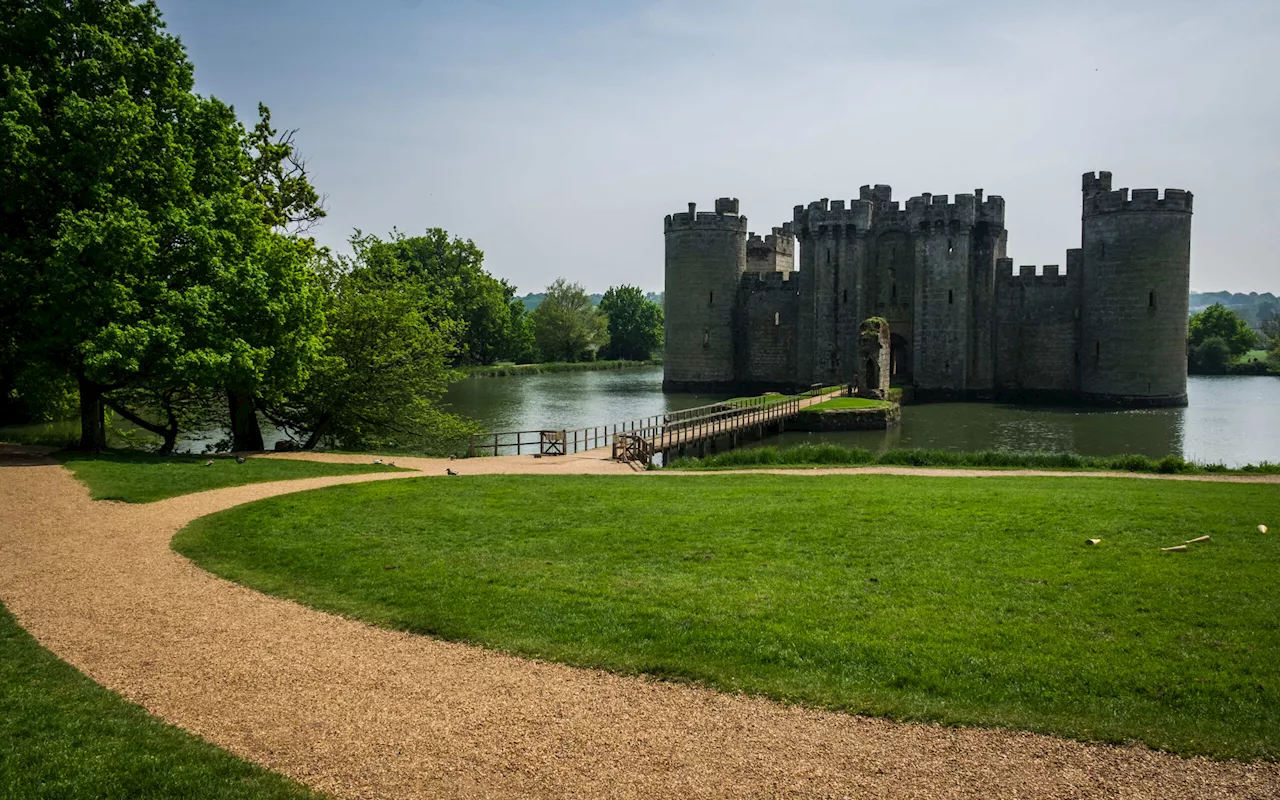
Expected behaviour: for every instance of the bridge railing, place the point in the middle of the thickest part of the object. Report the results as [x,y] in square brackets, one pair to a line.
[660,431]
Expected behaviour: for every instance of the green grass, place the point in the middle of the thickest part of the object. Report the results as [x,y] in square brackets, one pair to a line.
[1253,355]
[972,601]
[142,478]
[841,403]
[505,370]
[811,455]
[62,736]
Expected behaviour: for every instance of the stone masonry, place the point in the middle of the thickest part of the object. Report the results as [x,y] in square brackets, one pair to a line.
[1106,327]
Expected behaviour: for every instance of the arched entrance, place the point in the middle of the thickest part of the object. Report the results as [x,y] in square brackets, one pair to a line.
[899,361]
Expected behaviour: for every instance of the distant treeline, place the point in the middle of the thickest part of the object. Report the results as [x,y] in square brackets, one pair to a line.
[1253,308]
[532,300]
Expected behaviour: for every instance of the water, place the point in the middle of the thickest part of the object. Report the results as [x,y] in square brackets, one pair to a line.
[1233,420]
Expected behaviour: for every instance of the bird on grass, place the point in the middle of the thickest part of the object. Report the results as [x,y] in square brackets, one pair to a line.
[377,461]
[450,472]
[209,463]
[240,459]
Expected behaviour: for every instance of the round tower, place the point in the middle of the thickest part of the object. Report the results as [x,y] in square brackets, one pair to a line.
[1136,275]
[706,256]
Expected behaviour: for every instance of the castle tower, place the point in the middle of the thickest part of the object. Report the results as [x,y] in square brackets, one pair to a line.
[706,256]
[1136,254]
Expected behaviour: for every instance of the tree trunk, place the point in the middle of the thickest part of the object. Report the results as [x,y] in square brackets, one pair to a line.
[93,427]
[245,432]
[168,432]
[317,433]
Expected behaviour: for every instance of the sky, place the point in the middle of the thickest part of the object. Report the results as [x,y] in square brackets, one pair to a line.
[557,135]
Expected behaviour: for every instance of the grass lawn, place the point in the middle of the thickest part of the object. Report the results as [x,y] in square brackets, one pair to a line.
[1253,355]
[62,736]
[960,600]
[142,478]
[838,403]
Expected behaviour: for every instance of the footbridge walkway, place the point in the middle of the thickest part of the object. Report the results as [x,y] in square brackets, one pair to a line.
[645,440]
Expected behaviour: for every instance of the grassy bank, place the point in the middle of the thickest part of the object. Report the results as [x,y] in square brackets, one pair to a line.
[143,478]
[64,737]
[834,455]
[843,403]
[948,599]
[504,370]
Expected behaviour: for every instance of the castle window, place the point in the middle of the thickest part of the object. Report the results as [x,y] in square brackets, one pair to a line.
[1151,300]
[1102,250]
[893,293]
[951,297]
[777,319]
[846,295]
[711,298]
[706,338]
[1097,349]
[951,247]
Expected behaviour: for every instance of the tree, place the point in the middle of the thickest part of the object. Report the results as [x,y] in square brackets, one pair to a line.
[1211,357]
[635,324]
[384,366]
[566,327]
[491,325]
[134,257]
[1270,328]
[1217,321]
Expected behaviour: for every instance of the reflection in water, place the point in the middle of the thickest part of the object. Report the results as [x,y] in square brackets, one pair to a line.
[1232,419]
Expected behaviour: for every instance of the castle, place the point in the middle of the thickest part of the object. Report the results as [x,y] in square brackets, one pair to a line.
[1109,329]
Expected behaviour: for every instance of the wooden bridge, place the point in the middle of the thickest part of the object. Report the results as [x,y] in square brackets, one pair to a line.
[643,441]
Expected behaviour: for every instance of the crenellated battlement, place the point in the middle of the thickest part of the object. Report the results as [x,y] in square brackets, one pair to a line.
[934,211]
[1120,201]
[1094,183]
[725,217]
[823,215]
[1048,275]
[782,240]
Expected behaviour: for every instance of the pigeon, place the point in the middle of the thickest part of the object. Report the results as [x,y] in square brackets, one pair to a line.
[452,456]
[209,463]
[377,461]
[240,459]
[450,472]
[391,463]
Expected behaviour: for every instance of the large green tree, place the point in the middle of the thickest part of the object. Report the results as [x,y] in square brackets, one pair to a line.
[491,321]
[566,327]
[635,324]
[384,365]
[135,240]
[1218,321]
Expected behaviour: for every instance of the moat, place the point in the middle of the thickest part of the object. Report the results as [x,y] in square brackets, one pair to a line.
[1232,419]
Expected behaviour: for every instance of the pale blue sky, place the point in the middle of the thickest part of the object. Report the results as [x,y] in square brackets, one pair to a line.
[557,135]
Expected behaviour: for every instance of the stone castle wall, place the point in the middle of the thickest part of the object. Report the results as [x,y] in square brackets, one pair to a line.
[1037,349]
[1110,328]
[768,315]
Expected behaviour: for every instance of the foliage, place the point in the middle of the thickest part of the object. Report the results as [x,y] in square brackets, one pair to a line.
[384,366]
[1270,334]
[490,320]
[1217,321]
[67,737]
[978,602]
[635,324]
[141,478]
[126,231]
[566,327]
[1211,357]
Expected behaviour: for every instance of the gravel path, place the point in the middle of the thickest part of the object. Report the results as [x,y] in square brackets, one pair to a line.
[363,712]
